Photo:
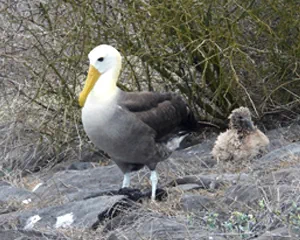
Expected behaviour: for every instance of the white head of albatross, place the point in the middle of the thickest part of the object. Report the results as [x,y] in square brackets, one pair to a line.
[129,126]
[105,63]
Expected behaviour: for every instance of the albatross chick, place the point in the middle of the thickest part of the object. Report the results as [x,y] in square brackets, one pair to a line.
[242,141]
[129,126]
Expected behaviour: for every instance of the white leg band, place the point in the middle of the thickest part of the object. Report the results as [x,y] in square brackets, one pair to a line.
[126,180]
[154,181]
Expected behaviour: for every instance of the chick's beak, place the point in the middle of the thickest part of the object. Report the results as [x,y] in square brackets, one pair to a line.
[249,125]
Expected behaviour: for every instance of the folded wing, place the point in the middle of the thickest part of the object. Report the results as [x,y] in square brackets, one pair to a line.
[165,113]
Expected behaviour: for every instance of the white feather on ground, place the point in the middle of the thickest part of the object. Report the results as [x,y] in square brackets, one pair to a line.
[64,221]
[31,222]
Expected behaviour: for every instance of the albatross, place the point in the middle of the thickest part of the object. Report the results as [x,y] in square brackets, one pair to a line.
[131,127]
[242,141]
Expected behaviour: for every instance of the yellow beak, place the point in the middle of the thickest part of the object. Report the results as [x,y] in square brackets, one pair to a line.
[93,76]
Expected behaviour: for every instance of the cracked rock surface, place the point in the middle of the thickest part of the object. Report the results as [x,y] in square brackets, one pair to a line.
[200,199]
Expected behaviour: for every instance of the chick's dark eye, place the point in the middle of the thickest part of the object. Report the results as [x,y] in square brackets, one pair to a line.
[100,59]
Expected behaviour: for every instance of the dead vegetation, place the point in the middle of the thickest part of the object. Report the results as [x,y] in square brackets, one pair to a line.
[217,54]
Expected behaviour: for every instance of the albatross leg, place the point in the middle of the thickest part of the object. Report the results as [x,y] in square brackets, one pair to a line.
[154,181]
[126,180]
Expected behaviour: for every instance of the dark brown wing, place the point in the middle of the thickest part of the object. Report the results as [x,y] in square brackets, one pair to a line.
[163,112]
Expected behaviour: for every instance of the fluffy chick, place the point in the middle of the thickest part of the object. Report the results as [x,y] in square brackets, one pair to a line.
[242,141]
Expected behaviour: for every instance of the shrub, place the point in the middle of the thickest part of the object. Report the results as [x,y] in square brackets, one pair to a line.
[217,54]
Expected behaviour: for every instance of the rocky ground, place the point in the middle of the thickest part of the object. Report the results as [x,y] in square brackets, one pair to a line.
[202,199]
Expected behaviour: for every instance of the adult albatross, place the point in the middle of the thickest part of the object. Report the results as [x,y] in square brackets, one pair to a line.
[129,126]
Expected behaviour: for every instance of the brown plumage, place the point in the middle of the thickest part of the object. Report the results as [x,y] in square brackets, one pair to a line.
[242,141]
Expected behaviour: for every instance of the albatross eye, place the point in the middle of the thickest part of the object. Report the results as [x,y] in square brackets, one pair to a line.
[100,59]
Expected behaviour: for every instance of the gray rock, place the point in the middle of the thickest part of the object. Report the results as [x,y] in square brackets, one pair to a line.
[211,181]
[29,235]
[195,203]
[277,143]
[121,221]
[281,188]
[283,176]
[80,166]
[193,159]
[10,193]
[188,186]
[203,181]
[112,237]
[283,136]
[80,195]
[75,185]
[233,178]
[242,196]
[283,194]
[279,234]
[198,156]
[79,214]
[275,157]
[2,183]
[162,227]
[88,155]
[9,206]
